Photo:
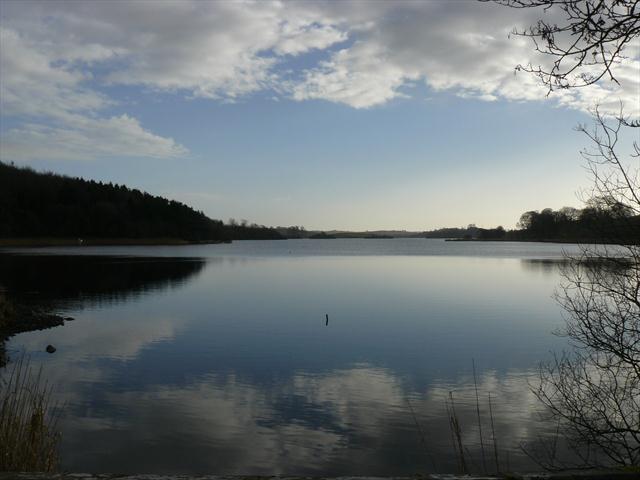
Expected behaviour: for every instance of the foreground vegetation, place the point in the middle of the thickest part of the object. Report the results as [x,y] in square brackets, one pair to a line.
[28,436]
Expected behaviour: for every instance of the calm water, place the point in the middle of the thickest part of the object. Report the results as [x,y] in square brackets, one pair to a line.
[218,359]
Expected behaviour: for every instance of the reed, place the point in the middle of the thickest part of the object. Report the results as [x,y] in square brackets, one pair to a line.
[456,434]
[475,384]
[493,434]
[422,437]
[28,435]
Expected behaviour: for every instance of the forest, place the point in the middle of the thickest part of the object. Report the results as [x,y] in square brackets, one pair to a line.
[39,205]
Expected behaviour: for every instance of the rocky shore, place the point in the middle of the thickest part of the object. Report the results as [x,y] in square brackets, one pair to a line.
[17,318]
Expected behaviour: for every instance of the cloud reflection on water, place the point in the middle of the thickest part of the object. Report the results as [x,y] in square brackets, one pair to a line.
[349,421]
[229,367]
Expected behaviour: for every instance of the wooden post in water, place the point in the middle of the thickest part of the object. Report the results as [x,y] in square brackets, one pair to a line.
[326,315]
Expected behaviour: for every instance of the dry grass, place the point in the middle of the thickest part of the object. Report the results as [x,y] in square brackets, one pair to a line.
[28,435]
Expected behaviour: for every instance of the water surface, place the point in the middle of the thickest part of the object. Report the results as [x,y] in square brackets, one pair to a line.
[219,359]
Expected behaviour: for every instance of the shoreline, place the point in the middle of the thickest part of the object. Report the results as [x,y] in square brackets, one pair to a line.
[123,242]
[582,241]
[18,318]
[83,242]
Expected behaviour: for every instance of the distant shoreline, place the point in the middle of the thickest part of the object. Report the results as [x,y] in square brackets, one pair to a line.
[123,242]
[82,242]
[589,241]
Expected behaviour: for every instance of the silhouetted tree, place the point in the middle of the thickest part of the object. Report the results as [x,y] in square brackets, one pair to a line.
[583,38]
[595,390]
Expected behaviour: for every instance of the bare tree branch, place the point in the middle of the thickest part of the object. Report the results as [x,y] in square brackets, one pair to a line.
[594,391]
[586,46]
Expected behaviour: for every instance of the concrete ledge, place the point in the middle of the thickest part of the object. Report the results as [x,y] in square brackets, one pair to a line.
[579,475]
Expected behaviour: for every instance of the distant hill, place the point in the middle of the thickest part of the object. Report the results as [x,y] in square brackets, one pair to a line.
[47,205]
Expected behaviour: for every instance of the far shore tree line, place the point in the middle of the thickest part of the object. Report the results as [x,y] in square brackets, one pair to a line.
[47,205]
[601,221]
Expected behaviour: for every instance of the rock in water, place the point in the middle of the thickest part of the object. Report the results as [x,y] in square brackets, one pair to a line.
[50,349]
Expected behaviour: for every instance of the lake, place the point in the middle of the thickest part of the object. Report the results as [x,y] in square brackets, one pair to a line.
[220,358]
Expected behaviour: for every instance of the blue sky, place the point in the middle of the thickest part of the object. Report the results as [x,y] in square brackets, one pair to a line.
[349,115]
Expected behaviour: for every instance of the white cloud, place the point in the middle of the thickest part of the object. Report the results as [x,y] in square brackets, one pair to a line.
[85,139]
[359,406]
[300,38]
[55,53]
[50,51]
[208,49]
[31,86]
[463,47]
[360,76]
[215,49]
[60,116]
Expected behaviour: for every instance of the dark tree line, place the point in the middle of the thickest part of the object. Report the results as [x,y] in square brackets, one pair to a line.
[599,222]
[469,233]
[36,205]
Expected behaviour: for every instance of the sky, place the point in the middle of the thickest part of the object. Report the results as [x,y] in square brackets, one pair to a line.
[332,115]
